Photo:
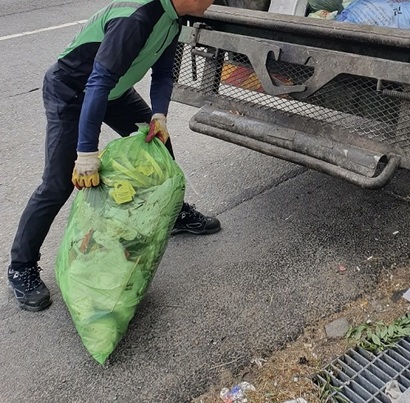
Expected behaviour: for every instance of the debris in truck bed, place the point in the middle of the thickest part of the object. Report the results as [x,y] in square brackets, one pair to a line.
[384,13]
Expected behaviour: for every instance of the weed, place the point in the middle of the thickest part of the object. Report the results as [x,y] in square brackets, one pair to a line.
[378,336]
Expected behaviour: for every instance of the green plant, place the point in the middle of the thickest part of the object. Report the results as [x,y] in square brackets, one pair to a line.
[328,391]
[377,336]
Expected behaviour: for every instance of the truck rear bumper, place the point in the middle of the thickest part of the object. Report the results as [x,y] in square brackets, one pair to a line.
[362,167]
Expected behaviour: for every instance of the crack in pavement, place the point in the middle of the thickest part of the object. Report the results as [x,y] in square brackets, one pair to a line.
[280,181]
[23,93]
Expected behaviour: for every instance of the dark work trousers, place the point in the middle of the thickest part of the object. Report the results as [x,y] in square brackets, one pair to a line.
[63,107]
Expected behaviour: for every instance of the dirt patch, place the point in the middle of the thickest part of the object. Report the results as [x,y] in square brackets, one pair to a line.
[287,374]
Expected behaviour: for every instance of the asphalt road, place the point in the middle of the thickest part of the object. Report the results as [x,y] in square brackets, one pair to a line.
[216,301]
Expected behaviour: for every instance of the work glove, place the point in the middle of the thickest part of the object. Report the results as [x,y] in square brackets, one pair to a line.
[85,173]
[158,128]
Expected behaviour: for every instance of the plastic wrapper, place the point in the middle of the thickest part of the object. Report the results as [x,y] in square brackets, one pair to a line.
[323,15]
[383,13]
[115,238]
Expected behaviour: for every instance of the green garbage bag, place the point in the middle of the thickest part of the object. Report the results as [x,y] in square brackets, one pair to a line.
[115,238]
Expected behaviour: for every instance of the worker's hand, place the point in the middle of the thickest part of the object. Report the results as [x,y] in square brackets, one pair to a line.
[85,173]
[158,128]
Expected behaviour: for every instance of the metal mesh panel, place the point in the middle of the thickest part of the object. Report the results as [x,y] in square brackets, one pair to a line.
[358,96]
[347,101]
[360,376]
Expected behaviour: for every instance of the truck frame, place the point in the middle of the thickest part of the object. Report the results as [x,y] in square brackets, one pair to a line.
[330,96]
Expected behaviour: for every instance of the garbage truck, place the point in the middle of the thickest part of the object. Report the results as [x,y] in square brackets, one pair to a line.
[331,96]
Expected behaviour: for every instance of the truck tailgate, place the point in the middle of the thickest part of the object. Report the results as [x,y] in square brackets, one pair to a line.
[331,96]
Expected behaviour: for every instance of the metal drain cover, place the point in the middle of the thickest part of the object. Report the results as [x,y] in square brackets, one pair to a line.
[360,376]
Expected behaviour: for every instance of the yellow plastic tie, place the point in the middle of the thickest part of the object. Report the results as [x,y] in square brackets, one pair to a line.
[123,192]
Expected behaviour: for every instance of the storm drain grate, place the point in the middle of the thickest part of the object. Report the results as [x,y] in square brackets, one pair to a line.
[360,376]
